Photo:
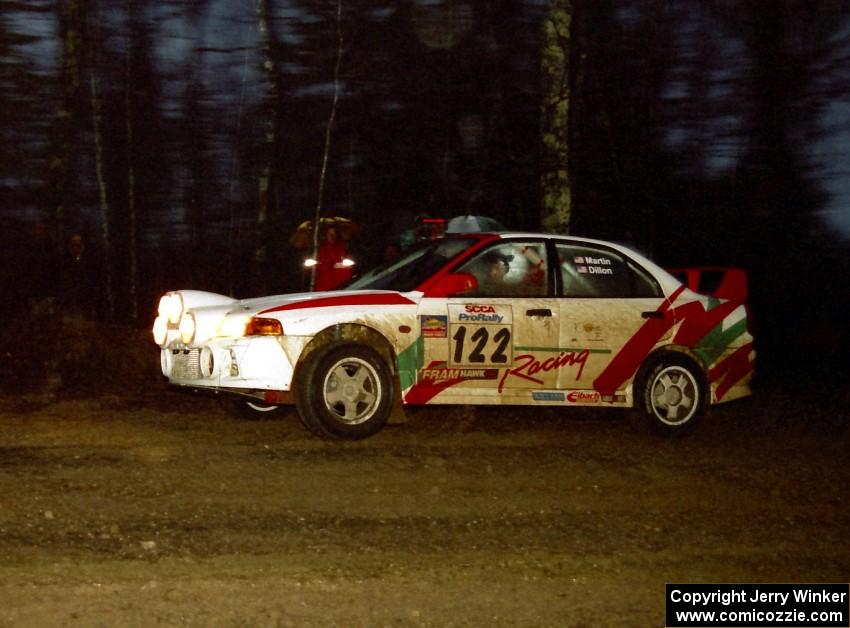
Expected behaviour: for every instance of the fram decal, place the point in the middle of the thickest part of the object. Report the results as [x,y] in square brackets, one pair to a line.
[436,377]
[527,365]
[441,374]
[434,326]
[584,396]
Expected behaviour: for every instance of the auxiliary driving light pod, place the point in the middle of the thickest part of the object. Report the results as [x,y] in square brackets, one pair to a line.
[171,307]
[160,330]
[187,328]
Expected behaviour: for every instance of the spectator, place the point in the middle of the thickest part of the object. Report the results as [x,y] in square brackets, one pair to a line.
[79,279]
[38,273]
[390,254]
[333,268]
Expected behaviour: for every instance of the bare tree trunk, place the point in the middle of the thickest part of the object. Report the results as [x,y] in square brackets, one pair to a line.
[555,183]
[327,149]
[264,12]
[70,20]
[104,202]
[131,173]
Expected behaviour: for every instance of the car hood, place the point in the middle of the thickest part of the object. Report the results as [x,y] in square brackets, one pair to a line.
[263,306]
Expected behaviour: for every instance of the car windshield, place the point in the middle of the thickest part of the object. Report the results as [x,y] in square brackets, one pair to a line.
[413,268]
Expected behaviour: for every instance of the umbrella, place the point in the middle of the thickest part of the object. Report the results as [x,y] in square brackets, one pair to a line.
[303,236]
[471,224]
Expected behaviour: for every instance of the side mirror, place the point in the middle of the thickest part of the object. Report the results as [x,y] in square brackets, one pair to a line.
[454,284]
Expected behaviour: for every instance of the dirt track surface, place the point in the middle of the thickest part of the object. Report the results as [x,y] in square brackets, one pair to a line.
[170,511]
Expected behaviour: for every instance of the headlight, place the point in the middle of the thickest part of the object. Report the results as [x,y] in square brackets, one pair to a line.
[233,326]
[160,330]
[171,307]
[187,328]
[347,263]
[310,262]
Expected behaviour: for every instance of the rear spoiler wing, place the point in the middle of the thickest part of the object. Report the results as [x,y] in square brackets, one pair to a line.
[723,283]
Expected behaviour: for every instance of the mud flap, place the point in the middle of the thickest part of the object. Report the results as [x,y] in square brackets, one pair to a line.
[397,414]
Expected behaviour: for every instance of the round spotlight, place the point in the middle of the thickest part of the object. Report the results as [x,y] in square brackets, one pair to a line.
[187,328]
[166,361]
[160,330]
[207,362]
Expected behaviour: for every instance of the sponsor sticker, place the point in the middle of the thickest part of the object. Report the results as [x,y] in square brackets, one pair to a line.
[434,325]
[438,374]
[545,395]
[614,398]
[583,396]
[483,313]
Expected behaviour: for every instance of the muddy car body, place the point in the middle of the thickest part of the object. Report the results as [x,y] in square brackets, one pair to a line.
[572,322]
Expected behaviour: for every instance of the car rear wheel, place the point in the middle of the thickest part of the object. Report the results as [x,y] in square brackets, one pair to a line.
[344,392]
[673,394]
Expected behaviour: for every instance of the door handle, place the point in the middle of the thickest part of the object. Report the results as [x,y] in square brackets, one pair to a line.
[652,314]
[541,312]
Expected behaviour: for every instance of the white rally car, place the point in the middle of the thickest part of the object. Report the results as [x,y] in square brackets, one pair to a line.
[485,318]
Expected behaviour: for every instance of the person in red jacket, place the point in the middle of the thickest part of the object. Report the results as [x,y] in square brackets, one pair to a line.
[333,267]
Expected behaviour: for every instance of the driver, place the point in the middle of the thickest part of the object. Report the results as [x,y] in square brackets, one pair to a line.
[497,265]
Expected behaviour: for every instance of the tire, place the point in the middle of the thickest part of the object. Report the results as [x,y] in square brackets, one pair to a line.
[344,392]
[254,410]
[673,395]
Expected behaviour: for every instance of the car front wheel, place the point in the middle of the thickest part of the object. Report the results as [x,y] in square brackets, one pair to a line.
[673,395]
[344,392]
[254,410]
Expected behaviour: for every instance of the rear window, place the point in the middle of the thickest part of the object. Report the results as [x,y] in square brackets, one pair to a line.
[595,272]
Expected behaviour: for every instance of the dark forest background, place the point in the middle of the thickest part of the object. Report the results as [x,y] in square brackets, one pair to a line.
[184,140]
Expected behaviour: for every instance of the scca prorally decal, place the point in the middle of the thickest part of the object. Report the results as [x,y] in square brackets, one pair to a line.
[696,323]
[527,365]
[480,314]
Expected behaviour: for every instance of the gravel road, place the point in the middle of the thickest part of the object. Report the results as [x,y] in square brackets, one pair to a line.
[168,510]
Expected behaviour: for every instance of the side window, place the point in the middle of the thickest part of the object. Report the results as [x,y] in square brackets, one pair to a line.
[587,271]
[515,269]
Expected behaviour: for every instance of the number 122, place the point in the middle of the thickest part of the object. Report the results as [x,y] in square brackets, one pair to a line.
[480,339]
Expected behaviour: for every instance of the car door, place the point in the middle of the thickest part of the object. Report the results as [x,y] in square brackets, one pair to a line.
[605,299]
[489,345]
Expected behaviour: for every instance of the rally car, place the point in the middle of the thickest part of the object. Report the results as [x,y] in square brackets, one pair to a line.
[485,318]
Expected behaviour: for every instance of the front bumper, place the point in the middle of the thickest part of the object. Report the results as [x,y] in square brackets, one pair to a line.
[255,363]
